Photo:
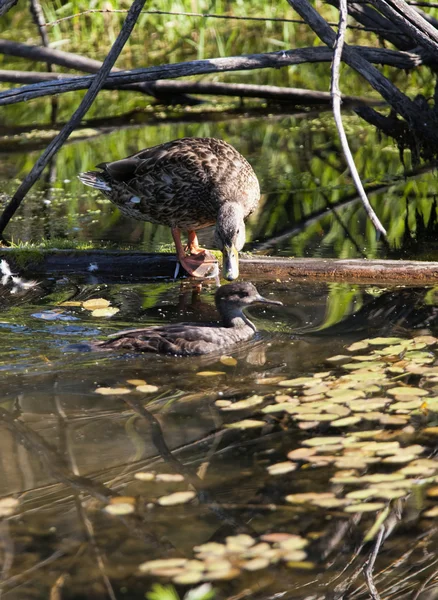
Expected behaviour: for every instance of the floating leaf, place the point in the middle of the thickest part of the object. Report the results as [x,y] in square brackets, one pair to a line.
[147,388]
[229,361]
[239,542]
[223,403]
[96,303]
[316,417]
[224,574]
[386,341]
[210,373]
[292,543]
[407,391]
[8,506]
[142,476]
[431,513]
[346,394]
[308,497]
[107,391]
[382,477]
[429,340]
[358,346]
[297,382]
[256,563]
[301,453]
[169,477]
[136,382]
[163,563]
[210,549]
[339,359]
[369,366]
[245,424]
[188,578]
[281,468]
[176,498]
[247,403]
[346,422]
[323,441]
[105,312]
[364,507]
[121,508]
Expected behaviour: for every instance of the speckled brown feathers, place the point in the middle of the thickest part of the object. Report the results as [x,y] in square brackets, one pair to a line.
[189,339]
[182,183]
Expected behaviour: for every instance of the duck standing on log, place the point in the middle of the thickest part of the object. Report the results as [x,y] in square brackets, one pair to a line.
[186,184]
[185,339]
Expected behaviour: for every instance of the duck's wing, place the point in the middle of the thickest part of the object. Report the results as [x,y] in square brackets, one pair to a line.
[182,340]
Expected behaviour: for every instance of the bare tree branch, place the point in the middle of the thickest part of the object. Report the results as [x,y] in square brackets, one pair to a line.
[86,103]
[336,97]
[286,58]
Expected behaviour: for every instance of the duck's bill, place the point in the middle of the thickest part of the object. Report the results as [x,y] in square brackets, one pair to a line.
[268,300]
[231,263]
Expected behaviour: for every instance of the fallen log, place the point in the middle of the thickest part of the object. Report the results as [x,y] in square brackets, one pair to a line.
[114,265]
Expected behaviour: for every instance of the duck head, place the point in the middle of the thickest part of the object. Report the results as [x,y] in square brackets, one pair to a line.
[232,298]
[229,237]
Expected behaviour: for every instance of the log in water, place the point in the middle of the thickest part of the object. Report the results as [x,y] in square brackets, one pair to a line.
[111,265]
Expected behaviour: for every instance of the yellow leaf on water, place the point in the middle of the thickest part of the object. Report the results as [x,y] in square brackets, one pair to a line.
[96,303]
[105,312]
[281,468]
[145,476]
[176,498]
[107,391]
[358,346]
[210,373]
[169,477]
[228,360]
[364,507]
[8,506]
[247,403]
[163,563]
[246,424]
[146,389]
[407,391]
[123,508]
[136,381]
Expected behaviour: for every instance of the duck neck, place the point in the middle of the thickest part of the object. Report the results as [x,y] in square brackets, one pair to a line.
[235,318]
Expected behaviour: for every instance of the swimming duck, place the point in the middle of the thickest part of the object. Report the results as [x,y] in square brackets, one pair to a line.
[187,339]
[186,184]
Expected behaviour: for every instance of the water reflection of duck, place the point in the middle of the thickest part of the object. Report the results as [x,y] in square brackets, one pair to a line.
[186,184]
[188,339]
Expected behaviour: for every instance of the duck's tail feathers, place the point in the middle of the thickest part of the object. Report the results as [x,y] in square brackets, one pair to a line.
[95,179]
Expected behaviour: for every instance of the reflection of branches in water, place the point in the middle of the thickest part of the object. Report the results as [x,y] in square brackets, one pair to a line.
[85,522]
[94,128]
[187,472]
[266,243]
[369,565]
[338,218]
[52,461]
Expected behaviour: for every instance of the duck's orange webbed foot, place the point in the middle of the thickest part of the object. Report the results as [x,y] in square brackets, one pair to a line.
[200,262]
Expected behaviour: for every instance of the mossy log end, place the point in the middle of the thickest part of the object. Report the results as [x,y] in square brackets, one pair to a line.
[112,265]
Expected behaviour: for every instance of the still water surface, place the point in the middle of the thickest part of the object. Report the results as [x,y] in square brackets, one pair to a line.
[66,449]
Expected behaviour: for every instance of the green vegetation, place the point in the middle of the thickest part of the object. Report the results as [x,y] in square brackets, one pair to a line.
[297,158]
